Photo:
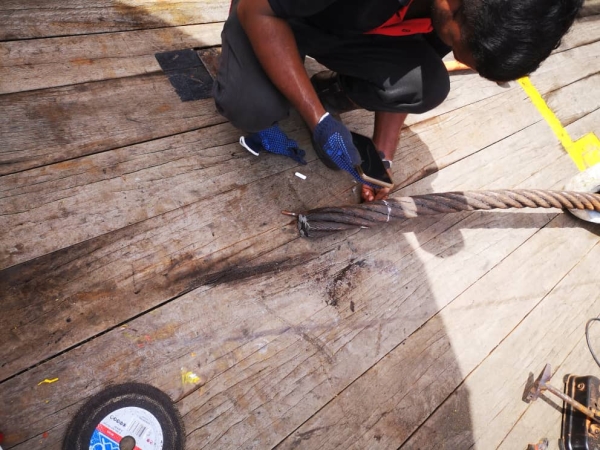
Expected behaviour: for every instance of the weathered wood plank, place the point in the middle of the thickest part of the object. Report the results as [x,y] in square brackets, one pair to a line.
[293,303]
[52,62]
[45,18]
[583,32]
[44,63]
[311,351]
[503,109]
[264,406]
[85,191]
[91,196]
[381,410]
[590,8]
[387,404]
[37,19]
[565,349]
[40,128]
[31,294]
[144,265]
[87,202]
[570,64]
[495,388]
[62,123]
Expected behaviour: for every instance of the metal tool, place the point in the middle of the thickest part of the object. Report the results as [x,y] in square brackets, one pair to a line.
[541,385]
[581,417]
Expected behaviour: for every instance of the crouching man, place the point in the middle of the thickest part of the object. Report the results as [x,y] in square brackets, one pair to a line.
[384,56]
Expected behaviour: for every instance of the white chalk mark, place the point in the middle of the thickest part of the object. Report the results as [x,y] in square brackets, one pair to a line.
[300,175]
[389,210]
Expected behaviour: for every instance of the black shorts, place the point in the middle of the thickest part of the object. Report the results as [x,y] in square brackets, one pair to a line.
[379,73]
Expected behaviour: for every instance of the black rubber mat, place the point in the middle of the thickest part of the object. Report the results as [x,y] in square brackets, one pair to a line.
[187,74]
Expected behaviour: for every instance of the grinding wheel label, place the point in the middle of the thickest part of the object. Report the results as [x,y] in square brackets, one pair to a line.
[130,421]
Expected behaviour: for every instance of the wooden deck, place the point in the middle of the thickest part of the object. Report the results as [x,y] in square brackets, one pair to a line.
[140,242]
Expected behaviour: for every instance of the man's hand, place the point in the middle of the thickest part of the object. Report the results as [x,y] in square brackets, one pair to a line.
[336,142]
[369,194]
[385,137]
[273,140]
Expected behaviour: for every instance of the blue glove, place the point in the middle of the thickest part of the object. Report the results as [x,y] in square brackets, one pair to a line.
[336,141]
[273,140]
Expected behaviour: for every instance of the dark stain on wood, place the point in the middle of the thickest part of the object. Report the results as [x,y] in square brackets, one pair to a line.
[306,435]
[343,283]
[240,272]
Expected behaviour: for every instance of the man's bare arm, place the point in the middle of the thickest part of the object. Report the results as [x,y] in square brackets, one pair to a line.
[387,132]
[275,47]
[385,137]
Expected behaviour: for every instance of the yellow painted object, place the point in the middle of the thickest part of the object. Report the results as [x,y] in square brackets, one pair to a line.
[584,152]
[188,377]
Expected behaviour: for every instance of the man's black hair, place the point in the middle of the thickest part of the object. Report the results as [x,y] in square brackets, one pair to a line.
[510,38]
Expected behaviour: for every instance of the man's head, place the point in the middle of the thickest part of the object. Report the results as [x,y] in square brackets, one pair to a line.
[503,39]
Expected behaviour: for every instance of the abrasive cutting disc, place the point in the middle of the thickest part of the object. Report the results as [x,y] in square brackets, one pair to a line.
[130,416]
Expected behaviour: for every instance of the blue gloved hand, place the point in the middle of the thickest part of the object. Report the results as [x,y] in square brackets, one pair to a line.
[273,140]
[336,141]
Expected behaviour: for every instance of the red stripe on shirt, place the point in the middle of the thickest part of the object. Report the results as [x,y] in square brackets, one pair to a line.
[397,26]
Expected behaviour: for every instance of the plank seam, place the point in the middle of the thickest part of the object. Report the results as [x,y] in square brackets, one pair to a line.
[108,32]
[464,379]
[405,339]
[99,152]
[507,335]
[62,86]
[552,91]
[189,288]
[583,116]
[441,167]
[558,366]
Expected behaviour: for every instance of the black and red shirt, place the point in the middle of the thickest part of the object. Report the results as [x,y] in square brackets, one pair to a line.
[346,17]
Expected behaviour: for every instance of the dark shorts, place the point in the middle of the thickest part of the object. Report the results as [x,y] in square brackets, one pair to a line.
[379,73]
